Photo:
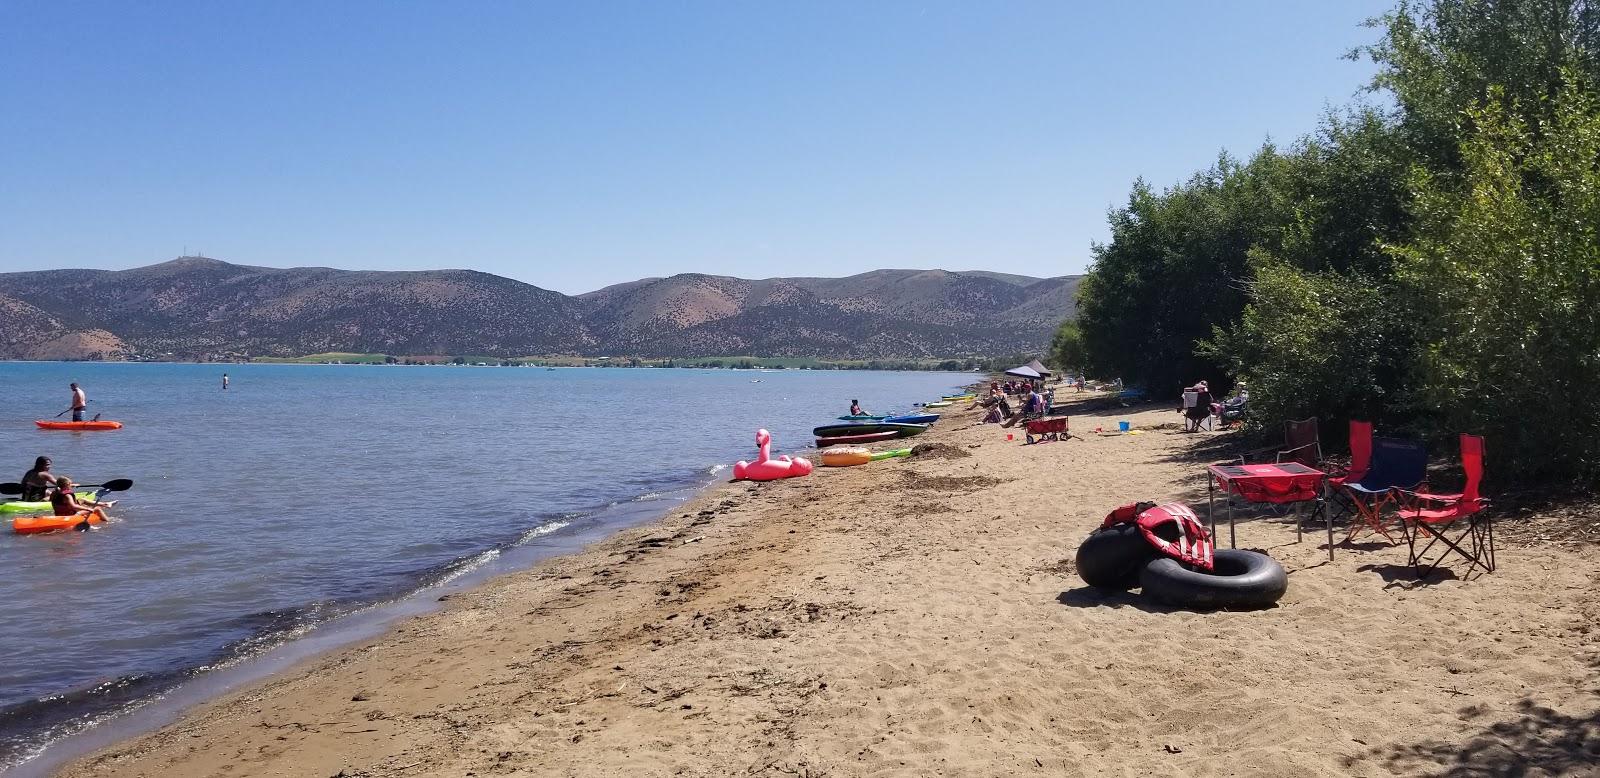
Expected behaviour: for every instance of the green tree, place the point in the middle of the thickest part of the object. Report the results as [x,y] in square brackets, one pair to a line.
[1066,348]
[1505,275]
[1175,269]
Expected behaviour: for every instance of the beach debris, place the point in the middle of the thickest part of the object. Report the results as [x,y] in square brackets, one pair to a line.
[937,451]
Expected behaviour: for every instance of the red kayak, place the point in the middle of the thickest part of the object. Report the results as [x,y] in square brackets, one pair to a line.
[870,437]
[79,425]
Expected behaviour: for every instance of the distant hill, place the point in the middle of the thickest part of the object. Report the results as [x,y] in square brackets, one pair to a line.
[194,307]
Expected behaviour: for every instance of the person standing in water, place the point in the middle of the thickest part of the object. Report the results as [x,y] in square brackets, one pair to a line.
[224,382]
[79,402]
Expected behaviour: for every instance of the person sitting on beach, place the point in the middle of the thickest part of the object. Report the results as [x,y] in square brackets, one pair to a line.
[1032,408]
[64,503]
[1232,409]
[987,399]
[1199,410]
[36,483]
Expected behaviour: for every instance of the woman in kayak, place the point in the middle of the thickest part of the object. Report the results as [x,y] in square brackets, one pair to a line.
[64,503]
[855,408]
[38,481]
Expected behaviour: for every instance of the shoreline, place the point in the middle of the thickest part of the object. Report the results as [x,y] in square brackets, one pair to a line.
[912,617]
[168,702]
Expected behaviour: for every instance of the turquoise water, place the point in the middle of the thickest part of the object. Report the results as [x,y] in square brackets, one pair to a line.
[304,492]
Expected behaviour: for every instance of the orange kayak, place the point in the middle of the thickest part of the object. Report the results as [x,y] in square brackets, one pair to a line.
[79,425]
[32,525]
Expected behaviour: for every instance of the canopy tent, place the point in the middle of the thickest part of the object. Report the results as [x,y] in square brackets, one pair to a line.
[1038,367]
[1024,372]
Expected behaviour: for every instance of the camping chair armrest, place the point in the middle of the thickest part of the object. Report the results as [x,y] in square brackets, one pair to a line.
[1410,498]
[1283,451]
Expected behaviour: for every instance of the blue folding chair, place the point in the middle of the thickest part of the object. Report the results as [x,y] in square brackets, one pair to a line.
[1396,464]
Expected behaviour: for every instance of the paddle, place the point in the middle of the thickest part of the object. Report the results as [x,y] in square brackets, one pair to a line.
[114,485]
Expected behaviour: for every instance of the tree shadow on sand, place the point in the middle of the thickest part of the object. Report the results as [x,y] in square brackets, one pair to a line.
[1538,742]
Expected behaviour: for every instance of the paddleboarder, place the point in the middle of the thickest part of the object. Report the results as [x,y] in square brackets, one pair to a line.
[79,402]
[224,382]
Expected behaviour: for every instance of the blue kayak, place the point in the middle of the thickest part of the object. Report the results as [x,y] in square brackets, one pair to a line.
[913,418]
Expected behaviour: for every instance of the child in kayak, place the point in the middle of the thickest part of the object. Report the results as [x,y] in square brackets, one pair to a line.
[36,483]
[64,503]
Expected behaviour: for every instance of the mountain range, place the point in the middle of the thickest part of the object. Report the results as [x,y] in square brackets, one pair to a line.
[201,308]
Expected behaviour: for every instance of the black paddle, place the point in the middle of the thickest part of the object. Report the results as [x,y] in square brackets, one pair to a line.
[114,485]
[63,413]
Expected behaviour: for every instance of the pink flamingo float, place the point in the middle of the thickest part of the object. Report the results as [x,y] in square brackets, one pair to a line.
[767,469]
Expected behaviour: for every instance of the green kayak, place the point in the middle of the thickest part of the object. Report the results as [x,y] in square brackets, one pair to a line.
[36,506]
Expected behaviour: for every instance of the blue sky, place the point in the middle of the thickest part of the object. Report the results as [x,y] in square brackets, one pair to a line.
[573,145]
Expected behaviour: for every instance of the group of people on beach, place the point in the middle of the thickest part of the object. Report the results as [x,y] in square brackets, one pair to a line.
[1036,402]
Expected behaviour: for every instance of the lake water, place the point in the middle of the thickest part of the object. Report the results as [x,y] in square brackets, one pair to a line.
[306,492]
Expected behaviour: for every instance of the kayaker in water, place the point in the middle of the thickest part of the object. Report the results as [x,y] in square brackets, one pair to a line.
[38,481]
[855,408]
[79,402]
[64,503]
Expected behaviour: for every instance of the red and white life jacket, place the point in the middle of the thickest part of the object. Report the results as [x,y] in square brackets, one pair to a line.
[1193,545]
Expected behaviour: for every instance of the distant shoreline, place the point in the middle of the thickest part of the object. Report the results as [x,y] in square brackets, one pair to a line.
[698,363]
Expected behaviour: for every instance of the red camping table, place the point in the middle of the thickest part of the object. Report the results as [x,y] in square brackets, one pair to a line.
[1285,482]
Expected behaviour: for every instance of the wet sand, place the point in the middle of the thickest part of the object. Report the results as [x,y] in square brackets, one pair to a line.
[920,617]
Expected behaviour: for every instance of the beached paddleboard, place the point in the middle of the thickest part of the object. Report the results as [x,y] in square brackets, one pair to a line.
[939,404]
[913,418]
[863,428]
[870,437]
[899,452]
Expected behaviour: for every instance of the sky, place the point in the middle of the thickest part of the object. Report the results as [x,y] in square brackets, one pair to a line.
[573,145]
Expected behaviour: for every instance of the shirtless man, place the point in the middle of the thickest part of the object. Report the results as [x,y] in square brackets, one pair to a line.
[79,402]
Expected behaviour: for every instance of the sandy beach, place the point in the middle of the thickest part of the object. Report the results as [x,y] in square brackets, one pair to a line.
[920,617]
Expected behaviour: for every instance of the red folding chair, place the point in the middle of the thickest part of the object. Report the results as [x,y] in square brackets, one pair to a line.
[1439,515]
[1360,461]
